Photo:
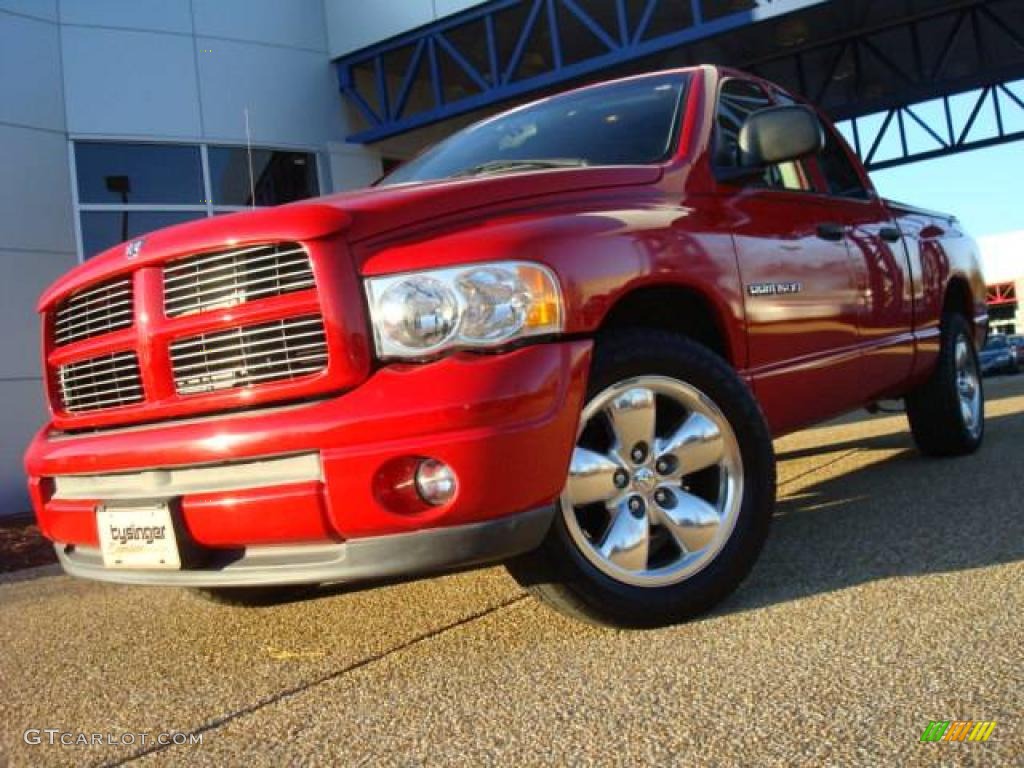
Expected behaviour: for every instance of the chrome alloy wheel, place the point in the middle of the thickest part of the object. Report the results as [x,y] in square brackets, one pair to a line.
[968,386]
[655,484]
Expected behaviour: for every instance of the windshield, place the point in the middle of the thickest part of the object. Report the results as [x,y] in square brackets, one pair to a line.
[996,342]
[627,123]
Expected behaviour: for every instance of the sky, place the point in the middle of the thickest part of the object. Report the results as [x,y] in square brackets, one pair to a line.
[984,188]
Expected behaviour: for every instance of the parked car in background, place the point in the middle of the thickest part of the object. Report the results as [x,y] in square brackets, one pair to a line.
[564,338]
[1017,342]
[998,356]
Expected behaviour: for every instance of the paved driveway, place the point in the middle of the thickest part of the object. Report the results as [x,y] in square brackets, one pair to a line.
[890,594]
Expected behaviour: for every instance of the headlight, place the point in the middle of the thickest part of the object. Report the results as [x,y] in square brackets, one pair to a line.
[419,314]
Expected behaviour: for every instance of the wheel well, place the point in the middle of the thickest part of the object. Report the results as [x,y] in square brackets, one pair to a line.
[670,308]
[958,300]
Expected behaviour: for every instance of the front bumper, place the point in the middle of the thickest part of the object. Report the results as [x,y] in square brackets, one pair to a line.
[274,495]
[360,560]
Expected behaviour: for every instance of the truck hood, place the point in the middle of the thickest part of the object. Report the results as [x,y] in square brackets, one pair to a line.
[378,210]
[361,214]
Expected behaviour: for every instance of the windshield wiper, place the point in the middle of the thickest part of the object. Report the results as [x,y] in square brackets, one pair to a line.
[503,166]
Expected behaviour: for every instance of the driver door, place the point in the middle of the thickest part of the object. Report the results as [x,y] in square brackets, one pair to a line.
[799,287]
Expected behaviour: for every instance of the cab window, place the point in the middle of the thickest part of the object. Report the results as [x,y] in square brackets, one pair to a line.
[737,100]
[840,174]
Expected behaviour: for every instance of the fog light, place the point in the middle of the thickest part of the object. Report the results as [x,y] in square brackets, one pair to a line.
[435,482]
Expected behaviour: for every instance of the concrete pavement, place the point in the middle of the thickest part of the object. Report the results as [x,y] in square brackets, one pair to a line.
[889,595]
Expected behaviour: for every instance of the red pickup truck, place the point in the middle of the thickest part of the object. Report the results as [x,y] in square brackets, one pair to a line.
[562,338]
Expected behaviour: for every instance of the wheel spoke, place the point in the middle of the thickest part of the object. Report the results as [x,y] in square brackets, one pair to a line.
[967,410]
[628,453]
[692,522]
[632,416]
[627,540]
[696,445]
[591,477]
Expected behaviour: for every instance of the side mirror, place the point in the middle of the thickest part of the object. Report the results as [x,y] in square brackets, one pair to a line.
[779,135]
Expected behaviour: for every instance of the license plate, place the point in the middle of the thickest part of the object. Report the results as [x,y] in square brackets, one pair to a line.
[138,537]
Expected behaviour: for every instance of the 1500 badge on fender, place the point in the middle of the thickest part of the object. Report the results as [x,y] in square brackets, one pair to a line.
[773,289]
[562,338]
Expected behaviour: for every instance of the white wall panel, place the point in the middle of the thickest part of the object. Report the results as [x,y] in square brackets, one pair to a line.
[296,23]
[30,273]
[157,15]
[448,7]
[352,166]
[30,76]
[354,24]
[35,191]
[24,412]
[121,82]
[41,9]
[292,95]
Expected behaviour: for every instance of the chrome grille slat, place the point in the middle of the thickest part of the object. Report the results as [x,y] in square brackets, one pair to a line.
[199,260]
[120,284]
[96,311]
[119,294]
[214,281]
[171,272]
[70,324]
[74,322]
[204,351]
[107,381]
[242,358]
[319,357]
[275,290]
[280,350]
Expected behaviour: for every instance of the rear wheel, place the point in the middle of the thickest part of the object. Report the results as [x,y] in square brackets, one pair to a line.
[947,413]
[670,488]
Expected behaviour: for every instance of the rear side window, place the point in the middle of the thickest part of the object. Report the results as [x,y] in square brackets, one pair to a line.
[737,100]
[840,174]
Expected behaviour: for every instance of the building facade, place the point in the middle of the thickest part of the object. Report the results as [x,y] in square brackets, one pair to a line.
[121,116]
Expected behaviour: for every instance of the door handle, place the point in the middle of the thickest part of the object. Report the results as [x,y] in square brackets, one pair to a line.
[890,234]
[831,231]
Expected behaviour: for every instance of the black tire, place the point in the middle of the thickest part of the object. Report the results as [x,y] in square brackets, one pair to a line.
[251,597]
[933,410]
[557,572]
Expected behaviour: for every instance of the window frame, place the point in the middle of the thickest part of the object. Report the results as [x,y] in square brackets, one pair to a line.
[870,196]
[808,165]
[208,208]
[815,172]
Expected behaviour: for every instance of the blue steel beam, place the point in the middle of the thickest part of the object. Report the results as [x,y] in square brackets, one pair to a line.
[632,44]
[871,141]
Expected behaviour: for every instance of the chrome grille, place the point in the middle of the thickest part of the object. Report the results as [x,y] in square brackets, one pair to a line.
[218,280]
[101,309]
[101,382]
[256,354]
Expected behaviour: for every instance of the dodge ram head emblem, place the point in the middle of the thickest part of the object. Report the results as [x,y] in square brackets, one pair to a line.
[133,249]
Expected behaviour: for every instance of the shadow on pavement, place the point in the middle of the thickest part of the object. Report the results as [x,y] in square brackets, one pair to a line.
[904,515]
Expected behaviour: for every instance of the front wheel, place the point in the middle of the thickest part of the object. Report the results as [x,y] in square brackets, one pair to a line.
[670,489]
[947,413]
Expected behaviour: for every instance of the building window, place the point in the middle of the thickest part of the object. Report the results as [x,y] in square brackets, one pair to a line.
[138,173]
[277,177]
[124,190]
